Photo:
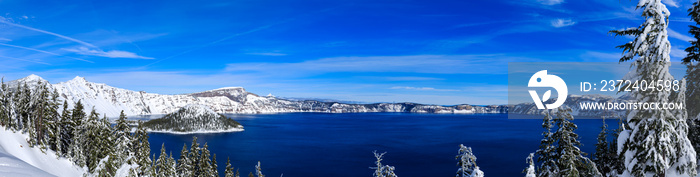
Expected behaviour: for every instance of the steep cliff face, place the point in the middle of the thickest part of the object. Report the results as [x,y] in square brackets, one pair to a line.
[111,101]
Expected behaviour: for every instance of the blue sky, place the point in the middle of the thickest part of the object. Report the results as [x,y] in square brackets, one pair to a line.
[435,52]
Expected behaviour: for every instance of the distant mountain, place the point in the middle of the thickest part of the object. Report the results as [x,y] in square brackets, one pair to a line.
[193,119]
[111,101]
[574,102]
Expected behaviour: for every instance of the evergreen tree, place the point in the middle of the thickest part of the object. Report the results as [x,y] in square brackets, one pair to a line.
[142,150]
[215,167]
[66,127]
[467,163]
[205,165]
[161,163]
[657,142]
[693,77]
[694,49]
[258,170]
[379,171]
[4,119]
[547,154]
[603,155]
[194,158]
[183,164]
[122,138]
[229,169]
[169,168]
[571,162]
[530,171]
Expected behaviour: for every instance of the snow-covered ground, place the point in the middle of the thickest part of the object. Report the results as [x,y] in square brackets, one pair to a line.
[18,159]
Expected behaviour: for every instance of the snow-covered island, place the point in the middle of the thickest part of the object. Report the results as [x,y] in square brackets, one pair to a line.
[193,118]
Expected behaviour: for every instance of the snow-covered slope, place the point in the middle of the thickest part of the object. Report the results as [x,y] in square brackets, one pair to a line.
[18,159]
[111,101]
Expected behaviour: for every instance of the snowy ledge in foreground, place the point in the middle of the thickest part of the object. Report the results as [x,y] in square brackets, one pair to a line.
[197,131]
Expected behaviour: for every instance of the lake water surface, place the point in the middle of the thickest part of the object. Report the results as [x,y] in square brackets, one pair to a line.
[425,145]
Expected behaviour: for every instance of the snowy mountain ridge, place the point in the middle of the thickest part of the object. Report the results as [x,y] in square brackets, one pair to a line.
[111,101]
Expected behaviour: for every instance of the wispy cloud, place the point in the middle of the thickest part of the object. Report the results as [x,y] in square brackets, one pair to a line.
[108,54]
[439,64]
[6,21]
[412,78]
[677,52]
[558,23]
[20,59]
[268,54]
[671,3]
[550,2]
[682,37]
[43,51]
[424,89]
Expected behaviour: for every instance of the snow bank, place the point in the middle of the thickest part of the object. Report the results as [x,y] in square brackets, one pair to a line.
[18,159]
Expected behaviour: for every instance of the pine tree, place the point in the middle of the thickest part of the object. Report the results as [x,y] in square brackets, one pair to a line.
[122,138]
[379,171]
[205,164]
[229,169]
[547,154]
[161,163]
[214,166]
[657,142]
[694,49]
[194,158]
[693,77]
[169,169]
[4,119]
[530,171]
[183,163]
[571,162]
[142,150]
[603,156]
[467,163]
[66,127]
[258,170]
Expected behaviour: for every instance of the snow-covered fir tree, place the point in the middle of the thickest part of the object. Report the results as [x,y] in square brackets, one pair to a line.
[547,154]
[530,170]
[466,161]
[142,150]
[258,170]
[571,161]
[229,169]
[657,143]
[194,157]
[692,62]
[381,170]
[205,164]
[603,156]
[183,163]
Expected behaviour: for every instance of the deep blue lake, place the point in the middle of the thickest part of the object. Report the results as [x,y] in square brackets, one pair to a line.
[319,144]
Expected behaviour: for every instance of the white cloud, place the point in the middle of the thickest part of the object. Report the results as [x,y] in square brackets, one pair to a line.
[108,54]
[558,23]
[680,53]
[424,89]
[671,3]
[268,54]
[438,64]
[6,21]
[682,37]
[550,2]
